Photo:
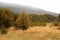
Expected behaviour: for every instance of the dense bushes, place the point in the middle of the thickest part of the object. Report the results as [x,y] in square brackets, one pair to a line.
[22,21]
[41,19]
[9,18]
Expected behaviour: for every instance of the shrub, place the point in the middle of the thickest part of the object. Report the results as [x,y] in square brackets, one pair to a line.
[43,23]
[22,21]
[6,17]
[4,31]
[56,23]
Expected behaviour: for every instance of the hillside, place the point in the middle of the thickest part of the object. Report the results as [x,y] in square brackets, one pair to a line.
[28,9]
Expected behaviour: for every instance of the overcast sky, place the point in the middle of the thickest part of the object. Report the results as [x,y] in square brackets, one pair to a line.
[48,5]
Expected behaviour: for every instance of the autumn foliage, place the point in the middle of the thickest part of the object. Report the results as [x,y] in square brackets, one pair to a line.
[22,21]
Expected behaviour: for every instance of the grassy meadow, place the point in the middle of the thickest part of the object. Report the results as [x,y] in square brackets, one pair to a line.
[33,33]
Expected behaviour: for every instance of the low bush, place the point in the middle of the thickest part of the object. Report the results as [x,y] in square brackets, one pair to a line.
[56,23]
[4,31]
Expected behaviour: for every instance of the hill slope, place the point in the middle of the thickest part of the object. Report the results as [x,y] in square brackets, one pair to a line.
[28,9]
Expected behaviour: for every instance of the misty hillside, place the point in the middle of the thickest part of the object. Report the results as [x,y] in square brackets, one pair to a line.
[28,9]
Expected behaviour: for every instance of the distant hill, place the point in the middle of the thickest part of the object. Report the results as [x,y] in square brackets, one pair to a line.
[28,9]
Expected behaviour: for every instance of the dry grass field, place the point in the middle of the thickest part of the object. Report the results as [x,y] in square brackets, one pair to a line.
[33,33]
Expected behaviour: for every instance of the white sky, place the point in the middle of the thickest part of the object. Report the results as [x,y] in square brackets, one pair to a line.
[48,5]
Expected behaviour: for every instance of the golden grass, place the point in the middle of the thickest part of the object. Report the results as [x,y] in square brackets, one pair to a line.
[33,33]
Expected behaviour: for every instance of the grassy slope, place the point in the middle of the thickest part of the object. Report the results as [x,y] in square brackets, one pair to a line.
[33,33]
